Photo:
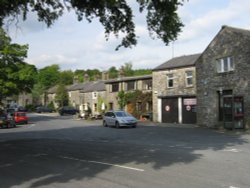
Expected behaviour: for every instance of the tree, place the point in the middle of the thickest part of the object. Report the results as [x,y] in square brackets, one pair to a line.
[66,77]
[115,15]
[127,69]
[62,97]
[121,99]
[15,75]
[49,76]
[113,72]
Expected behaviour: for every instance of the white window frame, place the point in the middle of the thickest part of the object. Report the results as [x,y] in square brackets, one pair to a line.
[94,95]
[225,64]
[170,78]
[189,77]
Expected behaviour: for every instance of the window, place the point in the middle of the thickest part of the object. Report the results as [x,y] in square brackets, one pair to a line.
[95,107]
[94,95]
[130,85]
[170,81]
[147,84]
[189,78]
[139,106]
[110,106]
[225,64]
[149,106]
[115,87]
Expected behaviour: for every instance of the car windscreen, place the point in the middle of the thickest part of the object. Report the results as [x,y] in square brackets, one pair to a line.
[121,114]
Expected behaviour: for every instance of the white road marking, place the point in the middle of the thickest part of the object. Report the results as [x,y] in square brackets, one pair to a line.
[233,187]
[232,150]
[108,164]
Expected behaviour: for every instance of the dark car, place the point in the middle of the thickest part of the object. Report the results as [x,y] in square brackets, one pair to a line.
[6,120]
[67,110]
[42,109]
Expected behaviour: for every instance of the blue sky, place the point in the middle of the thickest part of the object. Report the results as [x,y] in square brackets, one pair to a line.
[80,45]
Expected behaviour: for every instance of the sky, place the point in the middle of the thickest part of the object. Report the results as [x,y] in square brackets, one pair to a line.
[81,45]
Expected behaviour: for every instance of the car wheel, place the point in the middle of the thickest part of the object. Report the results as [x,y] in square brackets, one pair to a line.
[105,124]
[117,125]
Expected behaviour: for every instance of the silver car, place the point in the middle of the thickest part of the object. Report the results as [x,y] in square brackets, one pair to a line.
[119,119]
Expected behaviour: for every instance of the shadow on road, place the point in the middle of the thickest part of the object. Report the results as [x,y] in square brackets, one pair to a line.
[45,157]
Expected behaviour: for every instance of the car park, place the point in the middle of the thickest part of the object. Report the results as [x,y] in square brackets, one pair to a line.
[67,110]
[6,120]
[119,119]
[42,109]
[20,118]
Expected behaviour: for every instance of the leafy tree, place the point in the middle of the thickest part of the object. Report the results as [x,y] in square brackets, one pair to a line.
[113,72]
[62,97]
[127,69]
[49,76]
[15,75]
[121,99]
[140,72]
[66,77]
[115,15]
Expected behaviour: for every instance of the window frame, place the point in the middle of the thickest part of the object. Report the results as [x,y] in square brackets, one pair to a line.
[116,88]
[225,64]
[189,77]
[170,79]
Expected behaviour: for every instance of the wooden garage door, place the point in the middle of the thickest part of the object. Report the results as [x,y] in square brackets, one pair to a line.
[170,110]
[189,110]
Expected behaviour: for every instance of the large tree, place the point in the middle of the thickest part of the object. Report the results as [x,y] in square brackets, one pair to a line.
[15,75]
[115,15]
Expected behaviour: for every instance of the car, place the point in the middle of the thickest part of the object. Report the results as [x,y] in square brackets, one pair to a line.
[6,120]
[67,110]
[119,119]
[20,118]
[42,109]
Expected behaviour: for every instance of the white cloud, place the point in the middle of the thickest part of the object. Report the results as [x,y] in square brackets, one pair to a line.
[214,19]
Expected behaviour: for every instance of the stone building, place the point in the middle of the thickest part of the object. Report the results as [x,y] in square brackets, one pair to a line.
[129,84]
[93,97]
[223,80]
[174,90]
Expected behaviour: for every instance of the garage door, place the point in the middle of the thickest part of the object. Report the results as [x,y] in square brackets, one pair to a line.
[189,110]
[170,110]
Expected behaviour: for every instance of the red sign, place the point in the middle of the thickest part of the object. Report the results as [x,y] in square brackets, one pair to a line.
[191,101]
[167,108]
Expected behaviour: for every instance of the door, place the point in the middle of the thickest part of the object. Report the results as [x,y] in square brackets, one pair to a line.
[170,110]
[189,110]
[233,112]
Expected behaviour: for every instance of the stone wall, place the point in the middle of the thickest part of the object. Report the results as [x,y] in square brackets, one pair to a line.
[180,87]
[227,43]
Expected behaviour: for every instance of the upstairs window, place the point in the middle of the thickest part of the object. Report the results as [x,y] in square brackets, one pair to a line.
[225,64]
[130,85]
[147,84]
[94,95]
[115,87]
[189,78]
[170,80]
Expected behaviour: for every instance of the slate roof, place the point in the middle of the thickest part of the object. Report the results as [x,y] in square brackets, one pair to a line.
[178,62]
[237,30]
[144,77]
[94,86]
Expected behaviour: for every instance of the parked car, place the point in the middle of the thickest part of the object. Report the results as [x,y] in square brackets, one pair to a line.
[119,119]
[67,110]
[20,118]
[6,120]
[42,109]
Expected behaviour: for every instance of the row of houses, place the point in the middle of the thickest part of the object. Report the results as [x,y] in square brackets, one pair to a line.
[210,89]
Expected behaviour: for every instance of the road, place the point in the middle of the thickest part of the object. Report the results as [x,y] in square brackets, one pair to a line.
[58,152]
